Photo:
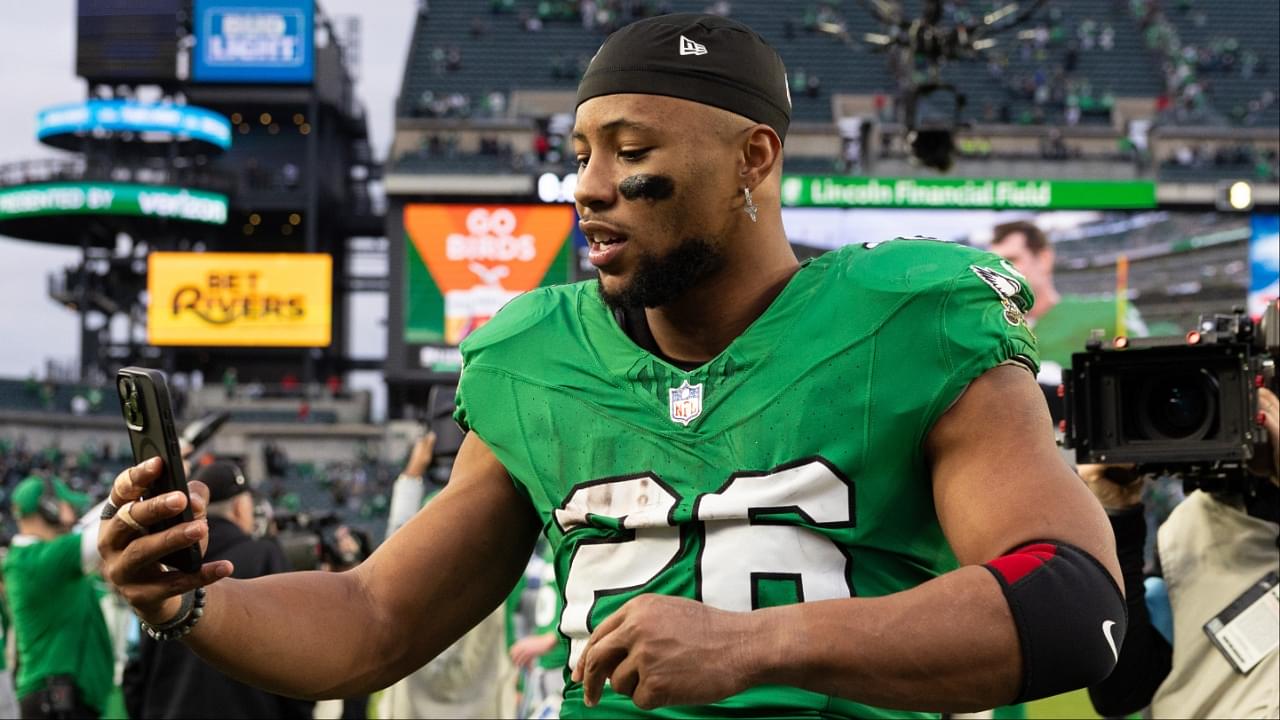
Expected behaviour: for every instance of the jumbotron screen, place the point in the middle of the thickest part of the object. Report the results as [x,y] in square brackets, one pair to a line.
[464,262]
[127,40]
[1159,266]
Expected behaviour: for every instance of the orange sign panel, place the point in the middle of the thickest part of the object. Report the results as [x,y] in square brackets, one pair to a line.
[483,256]
[242,299]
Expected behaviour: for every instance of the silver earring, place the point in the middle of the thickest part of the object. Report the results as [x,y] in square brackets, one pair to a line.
[750,207]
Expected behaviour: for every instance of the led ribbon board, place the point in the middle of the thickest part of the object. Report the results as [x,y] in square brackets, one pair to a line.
[167,120]
[70,198]
[851,192]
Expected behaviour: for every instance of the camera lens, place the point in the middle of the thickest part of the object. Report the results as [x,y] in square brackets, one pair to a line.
[1179,406]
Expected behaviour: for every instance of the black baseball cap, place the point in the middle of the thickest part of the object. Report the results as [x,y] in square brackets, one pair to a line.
[704,58]
[225,480]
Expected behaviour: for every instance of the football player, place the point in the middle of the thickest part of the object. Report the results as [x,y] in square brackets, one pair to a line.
[773,488]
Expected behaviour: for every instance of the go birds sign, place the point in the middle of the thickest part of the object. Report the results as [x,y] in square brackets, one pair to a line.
[466,261]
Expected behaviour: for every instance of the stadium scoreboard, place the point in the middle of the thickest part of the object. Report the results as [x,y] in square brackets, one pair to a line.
[127,40]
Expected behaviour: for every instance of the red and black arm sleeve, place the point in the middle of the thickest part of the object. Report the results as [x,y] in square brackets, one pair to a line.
[1069,614]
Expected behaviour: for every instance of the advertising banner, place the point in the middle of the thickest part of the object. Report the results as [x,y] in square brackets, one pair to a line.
[254,41]
[464,262]
[1264,262]
[125,115]
[239,299]
[853,192]
[72,198]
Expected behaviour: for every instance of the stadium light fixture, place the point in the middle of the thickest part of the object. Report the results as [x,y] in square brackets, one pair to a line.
[1234,196]
[1240,195]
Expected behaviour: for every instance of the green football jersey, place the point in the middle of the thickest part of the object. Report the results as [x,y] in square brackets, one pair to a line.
[787,469]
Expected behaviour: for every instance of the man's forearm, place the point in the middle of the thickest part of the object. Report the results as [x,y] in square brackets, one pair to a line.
[948,644]
[322,635]
[305,634]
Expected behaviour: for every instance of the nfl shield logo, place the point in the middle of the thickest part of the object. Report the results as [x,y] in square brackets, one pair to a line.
[686,402]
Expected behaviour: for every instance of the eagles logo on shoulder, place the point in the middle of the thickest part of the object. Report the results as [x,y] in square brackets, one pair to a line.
[1007,289]
[1005,286]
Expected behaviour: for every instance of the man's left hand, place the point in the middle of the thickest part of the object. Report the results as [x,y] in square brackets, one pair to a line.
[662,650]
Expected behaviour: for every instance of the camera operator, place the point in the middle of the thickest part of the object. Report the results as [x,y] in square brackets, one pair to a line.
[1218,555]
[167,680]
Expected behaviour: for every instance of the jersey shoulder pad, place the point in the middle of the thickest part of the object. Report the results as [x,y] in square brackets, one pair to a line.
[524,315]
[906,265]
[965,285]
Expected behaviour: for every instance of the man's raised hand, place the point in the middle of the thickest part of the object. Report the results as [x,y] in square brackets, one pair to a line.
[131,561]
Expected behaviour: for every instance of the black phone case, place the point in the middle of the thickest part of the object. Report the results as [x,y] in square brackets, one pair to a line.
[152,433]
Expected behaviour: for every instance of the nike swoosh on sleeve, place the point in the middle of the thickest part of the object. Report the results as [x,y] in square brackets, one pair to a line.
[1111,642]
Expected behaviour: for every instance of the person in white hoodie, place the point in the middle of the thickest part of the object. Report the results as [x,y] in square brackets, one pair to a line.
[473,677]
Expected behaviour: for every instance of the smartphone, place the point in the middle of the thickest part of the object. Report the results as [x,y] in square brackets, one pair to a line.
[148,414]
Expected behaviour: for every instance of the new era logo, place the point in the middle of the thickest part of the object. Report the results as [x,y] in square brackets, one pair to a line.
[689,47]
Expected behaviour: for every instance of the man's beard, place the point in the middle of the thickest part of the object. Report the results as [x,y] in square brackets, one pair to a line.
[660,279]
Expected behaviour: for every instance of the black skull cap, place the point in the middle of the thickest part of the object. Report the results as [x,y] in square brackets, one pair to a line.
[707,59]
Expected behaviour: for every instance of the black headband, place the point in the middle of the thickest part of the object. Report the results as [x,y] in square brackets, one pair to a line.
[704,58]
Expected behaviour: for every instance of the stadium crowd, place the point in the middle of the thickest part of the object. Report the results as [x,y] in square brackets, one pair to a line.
[1057,73]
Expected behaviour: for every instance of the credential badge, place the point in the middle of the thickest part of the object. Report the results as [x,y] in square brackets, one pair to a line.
[686,402]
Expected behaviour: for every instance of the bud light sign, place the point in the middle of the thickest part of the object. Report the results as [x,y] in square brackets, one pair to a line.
[253,41]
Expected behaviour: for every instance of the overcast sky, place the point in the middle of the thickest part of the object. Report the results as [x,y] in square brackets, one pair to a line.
[37,69]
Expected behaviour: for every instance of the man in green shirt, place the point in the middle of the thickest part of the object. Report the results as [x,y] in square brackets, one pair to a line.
[772,488]
[64,651]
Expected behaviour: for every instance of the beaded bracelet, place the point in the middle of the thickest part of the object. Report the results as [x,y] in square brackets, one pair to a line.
[189,613]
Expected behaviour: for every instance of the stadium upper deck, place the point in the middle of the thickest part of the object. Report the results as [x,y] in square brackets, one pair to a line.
[1087,66]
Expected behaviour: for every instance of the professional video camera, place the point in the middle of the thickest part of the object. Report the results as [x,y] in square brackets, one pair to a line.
[931,110]
[309,539]
[933,115]
[1175,405]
